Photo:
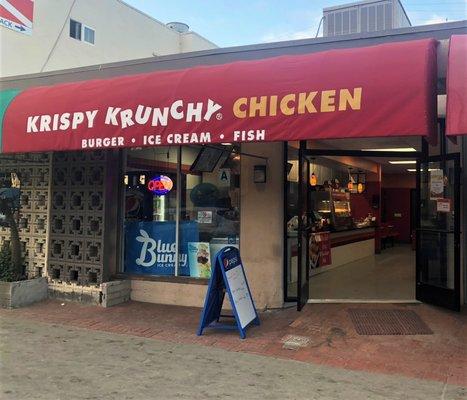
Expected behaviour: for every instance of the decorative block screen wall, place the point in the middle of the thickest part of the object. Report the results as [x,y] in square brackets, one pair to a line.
[34,174]
[77,217]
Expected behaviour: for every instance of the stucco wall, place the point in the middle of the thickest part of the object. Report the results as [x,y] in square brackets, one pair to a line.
[191,41]
[180,294]
[121,33]
[261,228]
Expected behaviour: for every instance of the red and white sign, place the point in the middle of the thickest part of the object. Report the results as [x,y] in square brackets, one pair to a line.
[17,15]
[375,91]
[443,205]
[320,249]
[436,184]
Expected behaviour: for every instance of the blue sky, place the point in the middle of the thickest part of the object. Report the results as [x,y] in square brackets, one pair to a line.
[233,23]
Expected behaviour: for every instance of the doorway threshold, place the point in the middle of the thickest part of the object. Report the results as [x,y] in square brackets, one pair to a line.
[380,301]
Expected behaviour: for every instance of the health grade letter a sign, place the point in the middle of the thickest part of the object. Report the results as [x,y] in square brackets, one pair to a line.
[150,247]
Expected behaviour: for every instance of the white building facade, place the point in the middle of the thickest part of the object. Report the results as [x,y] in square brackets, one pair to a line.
[77,33]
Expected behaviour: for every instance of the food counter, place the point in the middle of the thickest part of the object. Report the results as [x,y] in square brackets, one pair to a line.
[348,246]
[337,238]
[345,247]
[351,236]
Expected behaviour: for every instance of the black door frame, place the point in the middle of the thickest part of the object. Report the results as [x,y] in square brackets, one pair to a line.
[303,286]
[309,153]
[420,156]
[287,297]
[447,298]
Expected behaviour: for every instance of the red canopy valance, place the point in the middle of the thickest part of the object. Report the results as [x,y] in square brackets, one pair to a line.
[383,90]
[456,109]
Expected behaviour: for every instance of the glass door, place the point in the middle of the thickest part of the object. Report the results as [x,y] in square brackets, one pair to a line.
[291,180]
[303,228]
[438,233]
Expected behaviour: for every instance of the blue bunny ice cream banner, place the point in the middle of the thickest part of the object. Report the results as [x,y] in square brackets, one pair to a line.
[150,247]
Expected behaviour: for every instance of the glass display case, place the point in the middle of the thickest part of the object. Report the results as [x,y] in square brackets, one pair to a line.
[333,206]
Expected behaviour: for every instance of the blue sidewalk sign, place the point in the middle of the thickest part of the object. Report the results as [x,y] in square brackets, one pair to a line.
[228,276]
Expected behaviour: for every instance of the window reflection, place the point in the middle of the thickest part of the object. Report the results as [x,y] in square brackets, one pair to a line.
[211,199]
[182,205]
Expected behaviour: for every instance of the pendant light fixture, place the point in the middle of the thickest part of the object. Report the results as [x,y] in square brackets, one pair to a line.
[313,177]
[350,183]
[361,182]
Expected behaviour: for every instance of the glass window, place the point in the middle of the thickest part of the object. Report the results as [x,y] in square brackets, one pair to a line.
[75,29]
[182,205]
[150,211]
[210,202]
[89,35]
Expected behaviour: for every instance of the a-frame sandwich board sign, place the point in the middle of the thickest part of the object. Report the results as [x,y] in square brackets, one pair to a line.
[228,276]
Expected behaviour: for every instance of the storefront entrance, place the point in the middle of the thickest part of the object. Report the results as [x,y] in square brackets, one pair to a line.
[372,226]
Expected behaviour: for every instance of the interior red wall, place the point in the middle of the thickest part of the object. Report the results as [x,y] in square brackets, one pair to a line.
[407,180]
[397,200]
[361,204]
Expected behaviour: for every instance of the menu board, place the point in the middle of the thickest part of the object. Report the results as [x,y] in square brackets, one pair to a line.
[228,276]
[207,159]
[240,293]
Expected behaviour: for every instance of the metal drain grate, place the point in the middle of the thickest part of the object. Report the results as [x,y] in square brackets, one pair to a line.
[388,322]
[294,342]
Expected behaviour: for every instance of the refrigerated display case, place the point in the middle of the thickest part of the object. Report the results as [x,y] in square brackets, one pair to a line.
[333,206]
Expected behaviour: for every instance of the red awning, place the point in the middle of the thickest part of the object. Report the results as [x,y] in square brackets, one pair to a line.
[456,109]
[383,90]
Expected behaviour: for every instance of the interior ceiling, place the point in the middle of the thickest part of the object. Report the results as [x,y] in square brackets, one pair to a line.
[376,143]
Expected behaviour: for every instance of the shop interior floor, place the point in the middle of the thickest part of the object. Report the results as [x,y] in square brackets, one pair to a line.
[386,276]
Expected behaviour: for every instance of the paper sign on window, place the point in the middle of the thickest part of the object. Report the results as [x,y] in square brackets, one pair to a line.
[224,177]
[443,205]
[436,184]
[204,217]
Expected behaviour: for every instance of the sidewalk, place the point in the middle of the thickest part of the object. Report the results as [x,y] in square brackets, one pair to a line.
[43,361]
[331,337]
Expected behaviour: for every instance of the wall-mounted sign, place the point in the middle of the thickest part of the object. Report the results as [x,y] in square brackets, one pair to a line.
[259,174]
[160,185]
[17,15]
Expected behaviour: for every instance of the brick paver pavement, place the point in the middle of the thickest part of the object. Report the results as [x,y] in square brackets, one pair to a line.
[332,337]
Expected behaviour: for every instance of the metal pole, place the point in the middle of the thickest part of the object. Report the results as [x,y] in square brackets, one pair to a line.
[177,207]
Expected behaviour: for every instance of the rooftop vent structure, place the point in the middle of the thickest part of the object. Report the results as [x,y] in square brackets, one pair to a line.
[180,27]
[364,16]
